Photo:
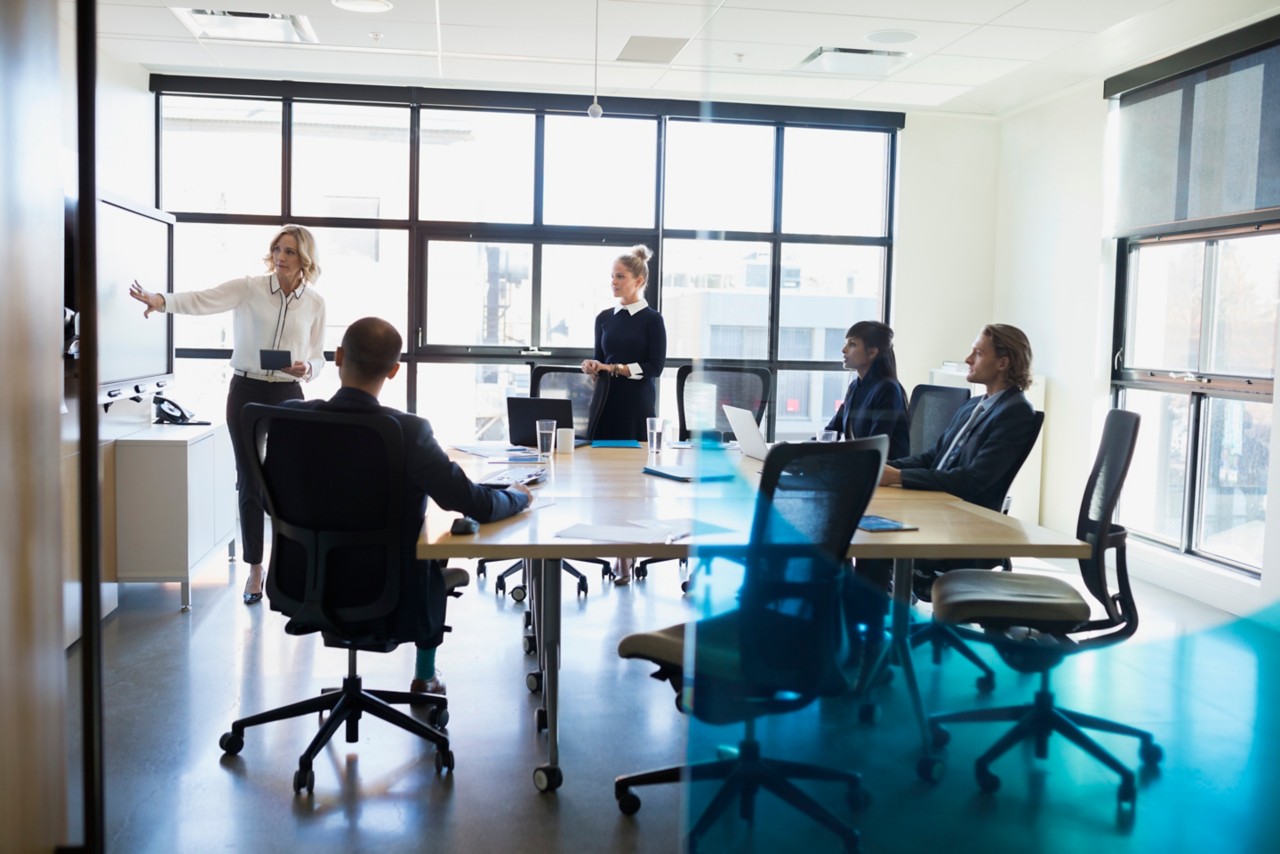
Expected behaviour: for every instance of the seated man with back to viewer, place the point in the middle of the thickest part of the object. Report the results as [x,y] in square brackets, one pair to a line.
[977,455]
[368,357]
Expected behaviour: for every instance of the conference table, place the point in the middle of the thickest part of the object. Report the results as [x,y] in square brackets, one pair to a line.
[606,488]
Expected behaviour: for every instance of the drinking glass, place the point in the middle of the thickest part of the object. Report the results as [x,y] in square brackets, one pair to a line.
[828,436]
[654,426]
[546,438]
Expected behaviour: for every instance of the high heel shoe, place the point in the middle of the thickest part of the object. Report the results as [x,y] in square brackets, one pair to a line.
[622,570]
[254,598]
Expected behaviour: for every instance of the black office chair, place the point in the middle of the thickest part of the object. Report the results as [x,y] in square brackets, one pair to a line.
[745,388]
[930,410]
[781,649]
[939,634]
[1036,621]
[562,382]
[340,545]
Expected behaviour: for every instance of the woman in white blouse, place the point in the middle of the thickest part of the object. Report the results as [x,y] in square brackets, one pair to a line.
[278,311]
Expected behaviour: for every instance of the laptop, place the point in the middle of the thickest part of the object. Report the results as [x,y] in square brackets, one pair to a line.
[524,413]
[744,425]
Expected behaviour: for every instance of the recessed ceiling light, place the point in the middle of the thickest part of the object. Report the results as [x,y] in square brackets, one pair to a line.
[891,36]
[364,5]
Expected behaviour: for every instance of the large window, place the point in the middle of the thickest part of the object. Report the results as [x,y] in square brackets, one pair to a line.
[484,227]
[1199,366]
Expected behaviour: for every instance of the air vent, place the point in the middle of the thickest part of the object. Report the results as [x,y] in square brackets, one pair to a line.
[854,62]
[247,26]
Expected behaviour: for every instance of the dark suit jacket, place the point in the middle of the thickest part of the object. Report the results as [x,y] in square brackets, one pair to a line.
[429,473]
[983,470]
[875,405]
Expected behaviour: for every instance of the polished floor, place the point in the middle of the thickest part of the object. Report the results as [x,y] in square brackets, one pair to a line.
[1204,683]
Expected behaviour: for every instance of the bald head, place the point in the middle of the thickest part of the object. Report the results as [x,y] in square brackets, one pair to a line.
[370,350]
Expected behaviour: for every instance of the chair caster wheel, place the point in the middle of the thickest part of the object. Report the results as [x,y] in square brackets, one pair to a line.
[499,586]
[304,778]
[540,720]
[684,586]
[869,713]
[529,644]
[986,684]
[987,781]
[518,593]
[444,761]
[547,778]
[1127,796]
[533,681]
[1151,754]
[582,586]
[438,717]
[930,769]
[231,743]
[939,735]
[642,572]
[606,572]
[629,803]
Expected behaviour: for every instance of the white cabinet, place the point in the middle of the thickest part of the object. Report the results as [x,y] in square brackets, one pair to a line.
[175,501]
[1025,492]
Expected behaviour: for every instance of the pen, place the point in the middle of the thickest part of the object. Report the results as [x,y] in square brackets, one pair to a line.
[671,538]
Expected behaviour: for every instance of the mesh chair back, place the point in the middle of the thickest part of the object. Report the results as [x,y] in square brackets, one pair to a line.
[562,381]
[338,541]
[1097,507]
[930,411]
[745,388]
[812,496]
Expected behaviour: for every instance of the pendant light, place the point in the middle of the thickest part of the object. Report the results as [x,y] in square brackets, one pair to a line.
[595,111]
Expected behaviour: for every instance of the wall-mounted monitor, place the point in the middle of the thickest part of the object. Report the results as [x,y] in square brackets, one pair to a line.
[135,354]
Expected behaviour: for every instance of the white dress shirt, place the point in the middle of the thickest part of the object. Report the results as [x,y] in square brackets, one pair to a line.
[263,318]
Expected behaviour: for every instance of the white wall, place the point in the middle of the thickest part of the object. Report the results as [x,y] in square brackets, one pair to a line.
[944,251]
[1055,278]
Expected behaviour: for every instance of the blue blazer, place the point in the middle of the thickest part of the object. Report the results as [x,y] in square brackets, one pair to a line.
[982,471]
[880,408]
[428,473]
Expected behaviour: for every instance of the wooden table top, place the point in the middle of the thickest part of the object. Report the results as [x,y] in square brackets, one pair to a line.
[606,486]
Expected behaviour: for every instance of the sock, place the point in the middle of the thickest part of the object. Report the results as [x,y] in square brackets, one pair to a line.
[424,667]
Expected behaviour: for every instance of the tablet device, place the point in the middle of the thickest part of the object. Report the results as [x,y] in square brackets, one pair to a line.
[274,360]
[880,523]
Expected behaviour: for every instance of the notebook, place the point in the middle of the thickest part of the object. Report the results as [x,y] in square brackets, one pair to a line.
[744,425]
[524,413]
[880,523]
[689,474]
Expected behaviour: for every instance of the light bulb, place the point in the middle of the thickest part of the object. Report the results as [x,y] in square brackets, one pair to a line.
[595,111]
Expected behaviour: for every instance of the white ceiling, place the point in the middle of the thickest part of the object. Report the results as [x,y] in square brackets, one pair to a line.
[985,57]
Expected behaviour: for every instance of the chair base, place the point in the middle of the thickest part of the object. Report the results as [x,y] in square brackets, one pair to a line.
[500,583]
[642,568]
[1038,720]
[346,705]
[939,635]
[744,776]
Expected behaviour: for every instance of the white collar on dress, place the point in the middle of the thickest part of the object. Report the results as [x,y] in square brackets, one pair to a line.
[638,305]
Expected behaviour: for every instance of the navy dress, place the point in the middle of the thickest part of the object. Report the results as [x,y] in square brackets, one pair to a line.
[623,338]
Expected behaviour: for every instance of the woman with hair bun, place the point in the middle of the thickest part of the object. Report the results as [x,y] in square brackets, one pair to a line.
[631,349]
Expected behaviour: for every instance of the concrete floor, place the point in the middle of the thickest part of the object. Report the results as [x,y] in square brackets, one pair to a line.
[174,682]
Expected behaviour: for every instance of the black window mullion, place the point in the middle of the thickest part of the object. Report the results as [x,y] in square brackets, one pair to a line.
[1195,477]
[286,158]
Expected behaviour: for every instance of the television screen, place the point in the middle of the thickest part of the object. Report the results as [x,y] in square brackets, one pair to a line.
[135,354]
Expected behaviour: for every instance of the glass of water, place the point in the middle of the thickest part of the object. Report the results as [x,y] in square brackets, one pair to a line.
[654,427]
[828,436]
[546,438]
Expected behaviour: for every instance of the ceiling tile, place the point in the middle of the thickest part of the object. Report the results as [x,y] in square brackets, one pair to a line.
[969,11]
[742,56]
[829,30]
[1091,15]
[713,85]
[960,70]
[1013,43]
[911,94]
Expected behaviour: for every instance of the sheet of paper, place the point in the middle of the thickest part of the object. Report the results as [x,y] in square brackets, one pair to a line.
[614,533]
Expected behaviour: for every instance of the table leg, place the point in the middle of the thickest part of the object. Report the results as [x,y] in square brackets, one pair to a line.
[547,574]
[186,596]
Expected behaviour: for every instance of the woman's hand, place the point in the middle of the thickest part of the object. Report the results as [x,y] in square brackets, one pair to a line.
[153,302]
[297,369]
[591,367]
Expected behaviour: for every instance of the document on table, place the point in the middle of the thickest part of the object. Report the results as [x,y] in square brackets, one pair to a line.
[648,531]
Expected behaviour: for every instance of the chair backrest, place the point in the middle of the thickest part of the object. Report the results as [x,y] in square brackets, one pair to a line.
[812,496]
[572,383]
[743,387]
[930,411]
[339,543]
[1097,509]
